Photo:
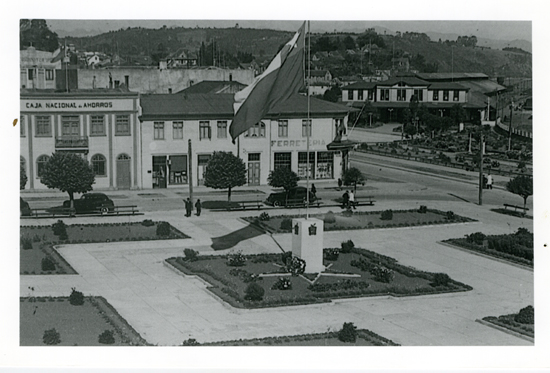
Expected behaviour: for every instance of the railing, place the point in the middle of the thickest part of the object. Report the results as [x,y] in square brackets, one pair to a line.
[71,142]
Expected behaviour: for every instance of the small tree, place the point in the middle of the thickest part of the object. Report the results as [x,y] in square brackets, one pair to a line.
[283,177]
[521,185]
[22,177]
[353,176]
[69,173]
[348,333]
[225,171]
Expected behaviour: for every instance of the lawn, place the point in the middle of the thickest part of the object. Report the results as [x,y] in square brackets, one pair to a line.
[76,325]
[41,239]
[361,220]
[352,274]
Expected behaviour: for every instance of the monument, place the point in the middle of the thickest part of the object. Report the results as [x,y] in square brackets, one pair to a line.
[307,243]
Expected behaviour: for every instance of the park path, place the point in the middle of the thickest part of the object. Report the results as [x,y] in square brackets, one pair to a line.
[167,308]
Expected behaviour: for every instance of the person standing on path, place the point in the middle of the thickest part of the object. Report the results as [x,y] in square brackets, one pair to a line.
[198,206]
[188,207]
[352,199]
[313,190]
[489,181]
[339,184]
[345,200]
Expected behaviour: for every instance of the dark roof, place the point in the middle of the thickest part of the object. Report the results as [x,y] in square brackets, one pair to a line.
[360,85]
[447,85]
[451,76]
[121,91]
[220,106]
[408,80]
[429,105]
[213,86]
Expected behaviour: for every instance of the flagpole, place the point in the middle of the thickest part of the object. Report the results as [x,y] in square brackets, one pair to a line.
[308,126]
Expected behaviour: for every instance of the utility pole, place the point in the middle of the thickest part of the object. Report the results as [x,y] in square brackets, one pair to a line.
[481,170]
[190,167]
[510,127]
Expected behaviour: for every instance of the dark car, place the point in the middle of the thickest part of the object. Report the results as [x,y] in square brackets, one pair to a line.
[292,197]
[24,208]
[90,203]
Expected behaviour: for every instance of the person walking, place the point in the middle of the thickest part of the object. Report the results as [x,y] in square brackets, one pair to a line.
[188,207]
[489,181]
[313,190]
[339,184]
[352,199]
[345,200]
[198,206]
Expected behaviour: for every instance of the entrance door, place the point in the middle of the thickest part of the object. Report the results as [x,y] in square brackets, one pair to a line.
[202,161]
[159,171]
[253,168]
[123,176]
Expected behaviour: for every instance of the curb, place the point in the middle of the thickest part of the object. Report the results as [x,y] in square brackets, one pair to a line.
[506,330]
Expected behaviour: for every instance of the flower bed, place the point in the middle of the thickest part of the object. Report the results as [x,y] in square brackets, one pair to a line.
[512,322]
[361,220]
[76,325]
[231,285]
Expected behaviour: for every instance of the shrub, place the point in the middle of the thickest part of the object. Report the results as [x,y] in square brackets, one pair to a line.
[163,229]
[331,254]
[348,333]
[51,337]
[386,215]
[450,215]
[382,274]
[476,238]
[48,264]
[296,266]
[282,283]
[147,223]
[526,315]
[190,342]
[236,260]
[254,292]
[286,224]
[107,337]
[59,228]
[76,298]
[26,243]
[264,216]
[441,279]
[423,209]
[347,246]
[190,254]
[329,218]
[286,256]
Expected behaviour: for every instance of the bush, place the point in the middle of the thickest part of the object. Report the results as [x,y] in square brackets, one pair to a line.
[163,229]
[51,337]
[382,274]
[286,224]
[59,228]
[286,256]
[296,266]
[264,216]
[450,215]
[254,292]
[441,279]
[48,264]
[526,315]
[348,333]
[76,298]
[190,342]
[347,246]
[329,218]
[331,254]
[25,242]
[190,254]
[147,223]
[386,215]
[423,209]
[282,283]
[107,337]
[236,260]
[476,238]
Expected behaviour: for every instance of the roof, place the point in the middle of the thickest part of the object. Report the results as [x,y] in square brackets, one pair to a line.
[451,76]
[447,85]
[214,86]
[408,80]
[48,93]
[360,85]
[429,105]
[320,73]
[483,86]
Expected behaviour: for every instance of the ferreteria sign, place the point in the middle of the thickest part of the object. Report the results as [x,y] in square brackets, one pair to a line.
[296,143]
[77,105]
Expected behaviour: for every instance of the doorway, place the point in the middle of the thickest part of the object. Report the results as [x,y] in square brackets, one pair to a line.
[253,168]
[123,175]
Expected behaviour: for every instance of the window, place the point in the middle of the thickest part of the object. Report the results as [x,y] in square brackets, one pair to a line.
[98,165]
[401,95]
[303,167]
[122,125]
[257,130]
[418,93]
[178,169]
[222,129]
[436,96]
[204,130]
[340,128]
[177,130]
[306,127]
[325,162]
[23,164]
[360,95]
[384,95]
[43,126]
[159,131]
[70,125]
[22,126]
[49,74]
[350,94]
[370,93]
[455,95]
[30,73]
[98,125]
[445,95]
[282,160]
[253,157]
[283,128]
[40,164]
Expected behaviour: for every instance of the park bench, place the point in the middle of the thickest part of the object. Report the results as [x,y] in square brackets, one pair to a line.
[120,210]
[525,209]
[298,202]
[38,213]
[364,201]
[244,205]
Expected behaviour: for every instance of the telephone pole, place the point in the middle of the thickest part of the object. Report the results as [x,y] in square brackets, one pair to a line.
[190,172]
[481,170]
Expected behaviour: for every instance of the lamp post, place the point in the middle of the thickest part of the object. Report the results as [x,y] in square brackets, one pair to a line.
[390,110]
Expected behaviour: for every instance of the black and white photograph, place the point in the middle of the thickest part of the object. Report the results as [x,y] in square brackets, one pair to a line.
[193,181]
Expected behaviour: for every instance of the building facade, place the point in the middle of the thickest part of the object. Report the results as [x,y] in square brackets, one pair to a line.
[100,125]
[38,68]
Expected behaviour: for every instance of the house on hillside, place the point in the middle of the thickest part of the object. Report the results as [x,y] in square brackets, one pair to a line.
[38,68]
[319,76]
[182,58]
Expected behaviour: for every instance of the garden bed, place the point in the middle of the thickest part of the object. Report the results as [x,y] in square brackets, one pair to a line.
[230,283]
[516,248]
[510,322]
[76,325]
[517,214]
[361,220]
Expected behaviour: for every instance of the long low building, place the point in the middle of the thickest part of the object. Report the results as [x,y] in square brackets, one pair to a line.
[142,142]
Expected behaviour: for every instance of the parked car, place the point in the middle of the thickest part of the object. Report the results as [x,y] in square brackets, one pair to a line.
[294,196]
[24,208]
[90,203]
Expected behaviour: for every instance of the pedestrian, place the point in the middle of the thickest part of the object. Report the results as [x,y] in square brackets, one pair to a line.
[198,206]
[345,200]
[489,181]
[339,184]
[313,190]
[352,199]
[188,207]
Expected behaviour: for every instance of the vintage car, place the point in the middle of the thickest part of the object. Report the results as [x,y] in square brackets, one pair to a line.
[292,197]
[91,203]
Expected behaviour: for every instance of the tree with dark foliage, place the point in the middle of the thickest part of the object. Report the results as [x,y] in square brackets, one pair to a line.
[283,177]
[35,32]
[225,171]
[521,185]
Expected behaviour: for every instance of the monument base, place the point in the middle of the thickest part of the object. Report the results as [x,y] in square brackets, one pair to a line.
[307,243]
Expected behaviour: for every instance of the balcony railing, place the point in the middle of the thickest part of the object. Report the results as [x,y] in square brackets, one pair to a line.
[71,142]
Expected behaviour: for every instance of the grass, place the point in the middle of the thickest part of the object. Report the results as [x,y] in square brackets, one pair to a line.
[229,283]
[77,325]
[363,220]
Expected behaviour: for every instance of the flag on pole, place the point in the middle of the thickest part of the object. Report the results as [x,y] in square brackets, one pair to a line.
[283,78]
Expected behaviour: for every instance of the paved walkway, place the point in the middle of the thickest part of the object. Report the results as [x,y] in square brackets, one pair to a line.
[167,308]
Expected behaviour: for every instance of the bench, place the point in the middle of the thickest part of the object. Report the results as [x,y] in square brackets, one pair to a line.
[363,201]
[243,205]
[37,213]
[525,209]
[117,210]
[301,202]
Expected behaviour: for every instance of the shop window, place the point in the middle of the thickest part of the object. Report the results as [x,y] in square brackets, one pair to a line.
[178,169]
[177,130]
[325,165]
[22,126]
[98,125]
[455,95]
[445,95]
[122,125]
[99,165]
[257,130]
[436,96]
[49,74]
[303,168]
[306,127]
[222,129]
[282,160]
[283,128]
[43,126]
[204,130]
[158,130]
[70,125]
[40,164]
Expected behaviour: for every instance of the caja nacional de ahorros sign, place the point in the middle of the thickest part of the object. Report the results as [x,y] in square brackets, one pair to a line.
[77,105]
